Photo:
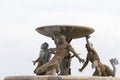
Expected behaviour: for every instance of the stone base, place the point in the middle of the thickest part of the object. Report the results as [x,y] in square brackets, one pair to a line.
[51,77]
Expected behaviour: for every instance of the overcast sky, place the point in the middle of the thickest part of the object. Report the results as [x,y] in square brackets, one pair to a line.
[20,43]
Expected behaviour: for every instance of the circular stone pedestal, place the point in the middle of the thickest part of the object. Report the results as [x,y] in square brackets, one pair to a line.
[51,77]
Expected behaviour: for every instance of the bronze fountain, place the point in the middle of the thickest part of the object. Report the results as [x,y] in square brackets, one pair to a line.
[70,32]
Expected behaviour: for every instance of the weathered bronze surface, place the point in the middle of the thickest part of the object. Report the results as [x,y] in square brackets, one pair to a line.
[70,31]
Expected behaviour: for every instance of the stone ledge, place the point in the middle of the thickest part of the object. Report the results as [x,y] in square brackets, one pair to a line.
[51,77]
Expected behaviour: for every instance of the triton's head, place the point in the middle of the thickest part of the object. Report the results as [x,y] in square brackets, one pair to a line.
[58,38]
[44,45]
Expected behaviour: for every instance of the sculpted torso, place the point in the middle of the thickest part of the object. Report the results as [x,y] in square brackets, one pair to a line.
[92,55]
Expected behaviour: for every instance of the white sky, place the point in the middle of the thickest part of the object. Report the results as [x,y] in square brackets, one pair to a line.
[19,42]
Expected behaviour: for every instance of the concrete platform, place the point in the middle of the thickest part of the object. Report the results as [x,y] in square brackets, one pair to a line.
[49,77]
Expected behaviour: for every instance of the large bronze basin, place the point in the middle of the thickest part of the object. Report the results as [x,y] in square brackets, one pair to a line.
[70,31]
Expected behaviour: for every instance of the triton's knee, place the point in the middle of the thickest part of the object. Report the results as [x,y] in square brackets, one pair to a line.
[38,71]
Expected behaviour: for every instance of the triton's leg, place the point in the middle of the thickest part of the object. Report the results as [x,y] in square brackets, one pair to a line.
[95,64]
[46,68]
[95,73]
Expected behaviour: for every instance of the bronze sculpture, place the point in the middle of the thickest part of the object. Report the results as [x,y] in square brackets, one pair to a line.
[93,57]
[70,32]
[100,68]
[44,56]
